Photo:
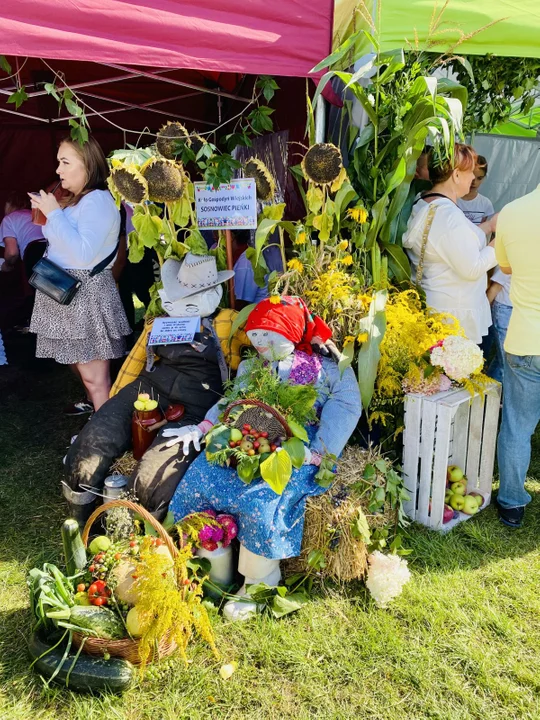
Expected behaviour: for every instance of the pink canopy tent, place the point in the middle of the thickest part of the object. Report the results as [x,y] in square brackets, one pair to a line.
[277,37]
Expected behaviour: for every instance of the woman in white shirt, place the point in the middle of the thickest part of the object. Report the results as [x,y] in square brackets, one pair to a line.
[448,252]
[90,331]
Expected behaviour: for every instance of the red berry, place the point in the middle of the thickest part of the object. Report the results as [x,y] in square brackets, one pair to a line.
[246,427]
[91,568]
[133,544]
[159,542]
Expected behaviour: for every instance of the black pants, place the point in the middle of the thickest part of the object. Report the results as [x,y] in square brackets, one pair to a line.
[107,435]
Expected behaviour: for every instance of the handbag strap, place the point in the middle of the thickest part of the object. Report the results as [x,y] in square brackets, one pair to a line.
[103,264]
[425,234]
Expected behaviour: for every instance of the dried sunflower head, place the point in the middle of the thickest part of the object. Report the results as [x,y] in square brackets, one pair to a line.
[196,142]
[322,164]
[129,183]
[165,180]
[266,187]
[171,138]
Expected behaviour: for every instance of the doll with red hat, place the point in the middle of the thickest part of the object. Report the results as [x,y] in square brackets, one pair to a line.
[270,526]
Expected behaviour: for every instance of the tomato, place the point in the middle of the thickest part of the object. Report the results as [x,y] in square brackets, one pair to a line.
[118,556]
[93,590]
[99,601]
[100,585]
[81,587]
[160,542]
[91,568]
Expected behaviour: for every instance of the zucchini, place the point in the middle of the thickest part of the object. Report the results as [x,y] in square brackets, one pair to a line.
[89,674]
[102,621]
[74,550]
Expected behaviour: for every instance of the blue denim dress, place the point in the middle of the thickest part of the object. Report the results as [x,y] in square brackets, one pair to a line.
[268,524]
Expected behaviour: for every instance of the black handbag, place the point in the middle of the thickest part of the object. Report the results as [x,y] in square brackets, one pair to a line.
[57,283]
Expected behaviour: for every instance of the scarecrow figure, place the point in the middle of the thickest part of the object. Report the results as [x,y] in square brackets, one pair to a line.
[191,375]
[270,526]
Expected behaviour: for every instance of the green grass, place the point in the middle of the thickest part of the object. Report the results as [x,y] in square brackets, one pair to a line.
[461,642]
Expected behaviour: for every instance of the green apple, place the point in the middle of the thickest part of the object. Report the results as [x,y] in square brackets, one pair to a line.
[457,502]
[139,405]
[236,435]
[150,405]
[458,488]
[479,498]
[101,543]
[470,506]
[448,495]
[454,473]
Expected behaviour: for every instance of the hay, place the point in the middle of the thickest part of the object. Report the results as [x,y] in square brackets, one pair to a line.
[329,521]
[124,465]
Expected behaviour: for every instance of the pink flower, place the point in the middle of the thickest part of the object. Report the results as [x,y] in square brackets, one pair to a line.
[217,534]
[210,512]
[206,534]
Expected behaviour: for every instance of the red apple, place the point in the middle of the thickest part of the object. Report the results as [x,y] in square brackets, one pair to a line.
[448,514]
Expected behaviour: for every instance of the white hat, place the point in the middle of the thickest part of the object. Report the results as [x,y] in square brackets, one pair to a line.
[193,274]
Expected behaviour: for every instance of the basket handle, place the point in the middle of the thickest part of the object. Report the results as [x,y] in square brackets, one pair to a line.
[258,403]
[158,527]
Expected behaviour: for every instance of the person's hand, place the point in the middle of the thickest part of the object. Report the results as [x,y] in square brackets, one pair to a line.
[46,202]
[185,435]
[491,223]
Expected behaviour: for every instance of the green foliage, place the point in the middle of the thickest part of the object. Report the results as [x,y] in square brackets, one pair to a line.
[495,86]
[4,65]
[368,358]
[18,97]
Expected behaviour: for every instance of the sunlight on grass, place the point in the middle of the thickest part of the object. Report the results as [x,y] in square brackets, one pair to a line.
[460,643]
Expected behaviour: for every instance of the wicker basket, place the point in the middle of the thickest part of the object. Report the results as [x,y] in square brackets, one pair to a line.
[126,648]
[261,417]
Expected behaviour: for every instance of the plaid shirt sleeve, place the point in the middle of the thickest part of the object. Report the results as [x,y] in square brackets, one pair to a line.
[135,362]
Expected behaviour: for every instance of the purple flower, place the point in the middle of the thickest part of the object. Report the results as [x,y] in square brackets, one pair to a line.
[206,534]
[217,534]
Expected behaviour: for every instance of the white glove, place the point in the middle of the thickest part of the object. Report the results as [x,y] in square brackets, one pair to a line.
[185,435]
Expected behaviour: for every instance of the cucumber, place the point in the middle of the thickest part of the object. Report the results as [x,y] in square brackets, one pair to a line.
[104,622]
[89,674]
[74,550]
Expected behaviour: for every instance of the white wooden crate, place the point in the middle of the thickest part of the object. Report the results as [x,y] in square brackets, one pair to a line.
[449,428]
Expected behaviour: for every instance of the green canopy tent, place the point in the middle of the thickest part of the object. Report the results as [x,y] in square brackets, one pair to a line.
[514,25]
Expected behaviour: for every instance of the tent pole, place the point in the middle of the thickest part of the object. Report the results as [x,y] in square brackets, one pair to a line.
[230,266]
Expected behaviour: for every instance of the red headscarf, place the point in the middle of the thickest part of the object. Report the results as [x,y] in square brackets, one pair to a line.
[291,318]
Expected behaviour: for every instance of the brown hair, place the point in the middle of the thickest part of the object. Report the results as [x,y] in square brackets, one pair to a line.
[465,158]
[18,200]
[482,163]
[97,170]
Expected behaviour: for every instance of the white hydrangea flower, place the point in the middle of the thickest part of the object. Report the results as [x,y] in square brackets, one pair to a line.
[387,574]
[459,357]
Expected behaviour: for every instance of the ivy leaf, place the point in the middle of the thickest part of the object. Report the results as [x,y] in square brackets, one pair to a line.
[78,132]
[18,97]
[73,108]
[360,527]
[299,431]
[6,67]
[268,86]
[277,470]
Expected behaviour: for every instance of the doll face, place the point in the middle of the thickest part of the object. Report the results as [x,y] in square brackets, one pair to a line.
[270,345]
[201,304]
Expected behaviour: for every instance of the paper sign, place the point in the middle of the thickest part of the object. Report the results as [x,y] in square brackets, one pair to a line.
[173,331]
[228,207]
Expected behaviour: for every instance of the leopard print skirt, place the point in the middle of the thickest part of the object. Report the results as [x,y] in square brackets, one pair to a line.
[92,327]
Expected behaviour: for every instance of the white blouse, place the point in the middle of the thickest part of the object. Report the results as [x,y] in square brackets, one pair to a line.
[82,235]
[456,262]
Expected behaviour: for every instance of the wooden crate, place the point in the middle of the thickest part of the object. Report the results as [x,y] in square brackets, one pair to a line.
[449,428]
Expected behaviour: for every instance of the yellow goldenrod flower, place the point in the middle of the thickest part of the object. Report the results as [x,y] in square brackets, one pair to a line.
[358,214]
[343,245]
[347,260]
[349,340]
[295,265]
[362,337]
[275,299]
[300,239]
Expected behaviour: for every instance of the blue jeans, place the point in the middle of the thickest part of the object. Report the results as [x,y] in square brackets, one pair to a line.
[520,416]
[501,318]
